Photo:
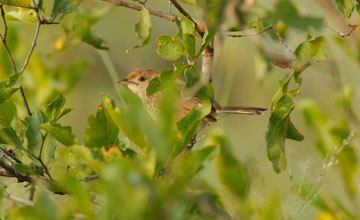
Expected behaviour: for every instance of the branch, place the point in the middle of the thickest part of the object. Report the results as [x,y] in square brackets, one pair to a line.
[137,7]
[207,61]
[90,178]
[252,33]
[3,39]
[38,24]
[18,199]
[10,172]
[165,15]
[182,11]
[342,34]
[11,155]
[278,35]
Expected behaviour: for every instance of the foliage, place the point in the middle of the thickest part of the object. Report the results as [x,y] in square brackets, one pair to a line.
[137,162]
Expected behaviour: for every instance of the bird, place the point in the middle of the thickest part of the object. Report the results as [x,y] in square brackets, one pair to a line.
[138,80]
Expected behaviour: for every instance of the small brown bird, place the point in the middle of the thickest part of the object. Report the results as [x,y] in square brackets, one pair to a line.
[139,79]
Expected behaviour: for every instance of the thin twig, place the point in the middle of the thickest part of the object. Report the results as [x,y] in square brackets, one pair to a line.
[32,192]
[270,27]
[90,178]
[18,199]
[4,21]
[25,100]
[11,58]
[12,155]
[342,34]
[186,14]
[42,145]
[11,171]
[38,24]
[252,33]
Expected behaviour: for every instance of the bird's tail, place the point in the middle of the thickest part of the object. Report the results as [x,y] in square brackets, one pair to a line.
[240,110]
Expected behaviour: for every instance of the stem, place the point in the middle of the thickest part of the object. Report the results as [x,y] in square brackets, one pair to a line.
[111,70]
[38,24]
[186,14]
[18,199]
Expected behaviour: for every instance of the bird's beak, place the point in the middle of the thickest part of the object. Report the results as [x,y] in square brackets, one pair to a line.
[124,81]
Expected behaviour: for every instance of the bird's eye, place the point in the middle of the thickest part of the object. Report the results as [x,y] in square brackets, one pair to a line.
[141,79]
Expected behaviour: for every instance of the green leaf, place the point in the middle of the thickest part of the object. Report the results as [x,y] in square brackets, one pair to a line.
[190,45]
[346,7]
[8,136]
[33,133]
[308,53]
[127,122]
[7,113]
[63,134]
[286,12]
[56,108]
[1,194]
[213,12]
[196,84]
[64,7]
[22,14]
[169,47]
[101,131]
[279,129]
[207,38]
[167,77]
[9,87]
[27,169]
[21,3]
[93,39]
[311,50]
[185,25]
[233,174]
[143,27]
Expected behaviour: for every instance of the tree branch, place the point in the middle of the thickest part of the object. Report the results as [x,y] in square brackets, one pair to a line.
[165,15]
[342,34]
[38,24]
[11,58]
[137,7]
[207,61]
[278,35]
[18,199]
[182,11]
[90,178]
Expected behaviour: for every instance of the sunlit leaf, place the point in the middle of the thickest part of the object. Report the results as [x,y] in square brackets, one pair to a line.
[143,27]
[169,47]
[22,14]
[56,108]
[346,7]
[21,3]
[62,134]
[101,131]
[207,38]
